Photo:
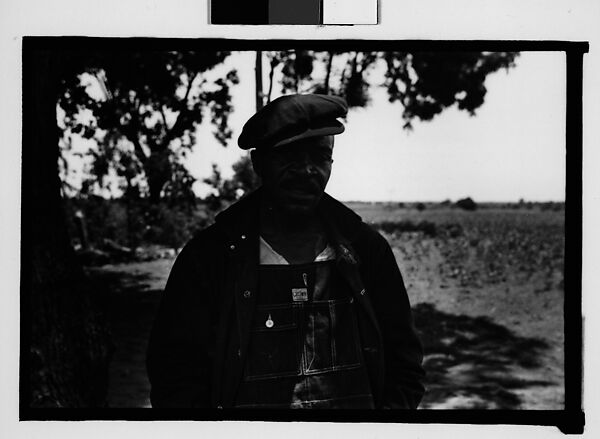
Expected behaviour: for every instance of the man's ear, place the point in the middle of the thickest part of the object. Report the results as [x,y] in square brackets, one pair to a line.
[255,158]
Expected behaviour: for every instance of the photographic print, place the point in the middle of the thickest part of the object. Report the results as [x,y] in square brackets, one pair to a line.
[256,226]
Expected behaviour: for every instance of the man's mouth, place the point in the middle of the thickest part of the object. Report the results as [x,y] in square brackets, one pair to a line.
[306,187]
[301,191]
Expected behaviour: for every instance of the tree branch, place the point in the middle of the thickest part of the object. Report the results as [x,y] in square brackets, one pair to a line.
[164,119]
[296,76]
[274,63]
[131,135]
[182,108]
[349,64]
[103,85]
[354,63]
[189,87]
[328,75]
[131,132]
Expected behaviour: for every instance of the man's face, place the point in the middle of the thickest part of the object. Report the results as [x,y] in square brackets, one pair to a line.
[295,175]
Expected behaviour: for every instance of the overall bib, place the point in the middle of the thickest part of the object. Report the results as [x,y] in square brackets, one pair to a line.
[304,349]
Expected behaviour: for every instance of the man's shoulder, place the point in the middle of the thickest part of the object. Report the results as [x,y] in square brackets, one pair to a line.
[370,240]
[351,224]
[206,241]
[370,233]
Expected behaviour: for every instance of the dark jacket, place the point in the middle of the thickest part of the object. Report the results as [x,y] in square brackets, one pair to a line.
[200,338]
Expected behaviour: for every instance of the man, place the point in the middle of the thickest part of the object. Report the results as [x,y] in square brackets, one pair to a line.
[289,300]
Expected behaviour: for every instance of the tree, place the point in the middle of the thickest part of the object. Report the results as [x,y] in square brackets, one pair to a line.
[145,117]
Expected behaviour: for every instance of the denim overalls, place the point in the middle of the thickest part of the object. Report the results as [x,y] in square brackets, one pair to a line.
[304,349]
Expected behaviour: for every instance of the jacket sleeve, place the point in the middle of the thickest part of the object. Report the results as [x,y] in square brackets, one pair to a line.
[403,354]
[178,358]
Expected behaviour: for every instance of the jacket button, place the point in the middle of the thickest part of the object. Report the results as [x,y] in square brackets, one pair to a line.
[232,247]
[243,236]
[247,294]
[219,406]
[363,292]
[239,353]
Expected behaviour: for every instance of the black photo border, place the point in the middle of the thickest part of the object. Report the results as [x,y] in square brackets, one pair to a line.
[569,420]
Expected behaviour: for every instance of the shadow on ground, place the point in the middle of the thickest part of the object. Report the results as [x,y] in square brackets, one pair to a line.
[473,363]
[130,308]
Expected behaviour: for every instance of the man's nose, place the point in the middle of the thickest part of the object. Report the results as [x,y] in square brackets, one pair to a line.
[306,164]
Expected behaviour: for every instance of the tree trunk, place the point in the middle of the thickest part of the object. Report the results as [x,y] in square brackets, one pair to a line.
[64,345]
[273,64]
[258,80]
[158,173]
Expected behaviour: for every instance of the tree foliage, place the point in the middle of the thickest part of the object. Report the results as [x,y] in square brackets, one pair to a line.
[225,191]
[424,83]
[144,113]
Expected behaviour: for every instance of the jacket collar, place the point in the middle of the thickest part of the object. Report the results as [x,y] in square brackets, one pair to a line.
[241,218]
[341,223]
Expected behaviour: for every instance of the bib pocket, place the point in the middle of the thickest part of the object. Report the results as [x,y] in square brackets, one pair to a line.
[273,350]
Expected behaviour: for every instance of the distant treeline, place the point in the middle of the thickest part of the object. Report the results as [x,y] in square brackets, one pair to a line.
[467,204]
[108,224]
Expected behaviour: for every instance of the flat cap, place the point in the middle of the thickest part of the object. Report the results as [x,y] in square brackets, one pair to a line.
[293,117]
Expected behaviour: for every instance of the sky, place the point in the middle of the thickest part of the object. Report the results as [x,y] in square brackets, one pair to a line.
[513,148]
